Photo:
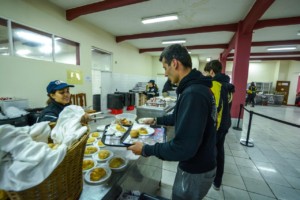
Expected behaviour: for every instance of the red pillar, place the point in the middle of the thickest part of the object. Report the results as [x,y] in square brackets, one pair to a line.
[240,68]
[223,62]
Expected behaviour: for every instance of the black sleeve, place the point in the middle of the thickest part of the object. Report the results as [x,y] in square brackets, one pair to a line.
[190,125]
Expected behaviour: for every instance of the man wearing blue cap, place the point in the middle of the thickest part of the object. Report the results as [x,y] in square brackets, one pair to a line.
[59,97]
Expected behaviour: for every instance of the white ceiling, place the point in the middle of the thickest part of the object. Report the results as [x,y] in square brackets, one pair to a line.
[126,20]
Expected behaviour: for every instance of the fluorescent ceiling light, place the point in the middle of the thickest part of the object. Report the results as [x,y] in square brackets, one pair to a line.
[173,41]
[161,18]
[280,48]
[255,61]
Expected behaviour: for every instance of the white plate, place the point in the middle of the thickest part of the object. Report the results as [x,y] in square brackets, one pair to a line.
[95,164]
[128,116]
[99,134]
[97,145]
[121,168]
[90,143]
[96,157]
[89,155]
[142,120]
[106,177]
[150,130]
[113,127]
[110,131]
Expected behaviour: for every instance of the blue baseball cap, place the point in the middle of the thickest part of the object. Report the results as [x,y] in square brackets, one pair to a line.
[57,85]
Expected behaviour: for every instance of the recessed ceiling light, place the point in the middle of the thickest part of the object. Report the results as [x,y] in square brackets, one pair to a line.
[161,18]
[280,48]
[174,41]
[208,59]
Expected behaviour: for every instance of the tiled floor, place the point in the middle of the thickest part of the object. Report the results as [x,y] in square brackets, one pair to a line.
[269,170]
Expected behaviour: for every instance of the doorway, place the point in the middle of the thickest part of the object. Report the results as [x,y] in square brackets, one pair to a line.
[101,75]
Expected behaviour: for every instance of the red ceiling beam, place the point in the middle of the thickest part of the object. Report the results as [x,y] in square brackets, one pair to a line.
[99,6]
[257,10]
[277,22]
[203,29]
[226,46]
[272,54]
[272,58]
[230,47]
[208,46]
[274,43]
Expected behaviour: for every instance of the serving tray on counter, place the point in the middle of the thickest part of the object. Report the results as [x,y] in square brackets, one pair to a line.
[159,135]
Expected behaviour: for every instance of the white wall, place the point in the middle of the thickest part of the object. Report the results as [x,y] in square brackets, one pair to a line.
[26,78]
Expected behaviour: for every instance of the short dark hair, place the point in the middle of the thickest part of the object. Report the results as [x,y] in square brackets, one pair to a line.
[214,65]
[178,52]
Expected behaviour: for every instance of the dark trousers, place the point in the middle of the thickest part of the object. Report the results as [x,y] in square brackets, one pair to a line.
[220,157]
[250,99]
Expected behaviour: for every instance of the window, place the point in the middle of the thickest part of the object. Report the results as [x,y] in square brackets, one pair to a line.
[4,40]
[66,51]
[31,43]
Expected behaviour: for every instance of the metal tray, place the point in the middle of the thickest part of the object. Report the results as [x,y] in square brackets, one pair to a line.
[158,136]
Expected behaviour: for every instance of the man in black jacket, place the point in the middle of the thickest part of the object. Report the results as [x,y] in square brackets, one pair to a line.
[214,69]
[194,118]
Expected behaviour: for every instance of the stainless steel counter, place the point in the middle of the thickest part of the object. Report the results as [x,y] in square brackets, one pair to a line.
[143,174]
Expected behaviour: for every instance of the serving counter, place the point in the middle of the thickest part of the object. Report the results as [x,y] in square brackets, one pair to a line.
[142,174]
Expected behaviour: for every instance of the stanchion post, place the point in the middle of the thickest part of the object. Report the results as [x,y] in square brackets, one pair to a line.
[247,142]
[238,123]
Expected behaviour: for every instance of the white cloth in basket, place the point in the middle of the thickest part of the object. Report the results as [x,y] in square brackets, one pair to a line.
[68,128]
[24,162]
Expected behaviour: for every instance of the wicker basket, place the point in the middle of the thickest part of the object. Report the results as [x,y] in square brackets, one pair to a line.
[65,182]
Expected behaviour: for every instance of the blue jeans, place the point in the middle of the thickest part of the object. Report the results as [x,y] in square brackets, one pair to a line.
[192,186]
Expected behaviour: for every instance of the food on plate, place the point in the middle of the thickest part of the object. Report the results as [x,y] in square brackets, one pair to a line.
[116,162]
[97,174]
[53,146]
[134,133]
[100,143]
[143,131]
[103,154]
[91,140]
[120,128]
[95,134]
[87,164]
[125,122]
[90,150]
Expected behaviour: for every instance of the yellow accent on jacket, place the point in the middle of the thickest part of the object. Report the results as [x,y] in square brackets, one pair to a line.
[216,89]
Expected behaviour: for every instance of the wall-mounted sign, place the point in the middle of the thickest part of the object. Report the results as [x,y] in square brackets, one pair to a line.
[74,77]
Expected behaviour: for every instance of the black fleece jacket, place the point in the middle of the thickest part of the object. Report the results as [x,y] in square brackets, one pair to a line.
[51,112]
[194,118]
